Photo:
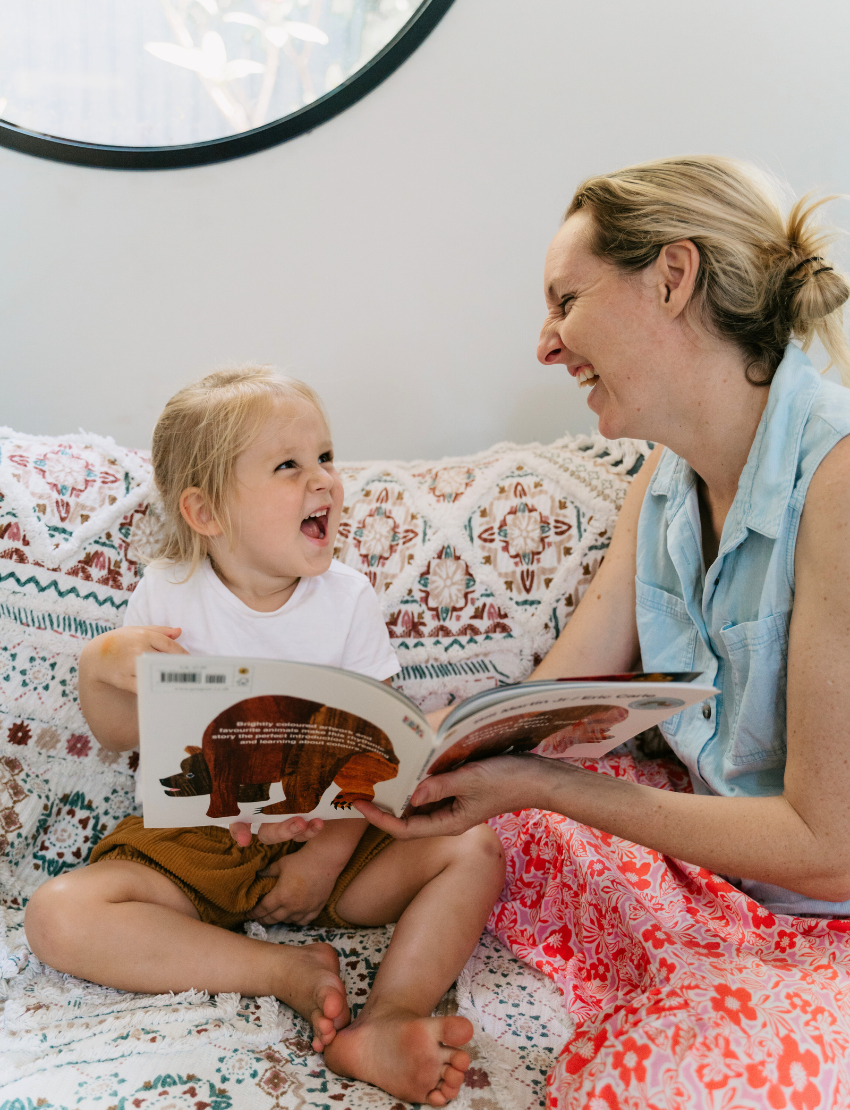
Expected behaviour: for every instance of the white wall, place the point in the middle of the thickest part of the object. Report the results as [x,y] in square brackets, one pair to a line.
[393,256]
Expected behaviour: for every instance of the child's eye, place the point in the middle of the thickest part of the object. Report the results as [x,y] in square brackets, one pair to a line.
[287,465]
[326,457]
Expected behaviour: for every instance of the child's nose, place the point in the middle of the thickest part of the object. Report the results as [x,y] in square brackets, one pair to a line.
[320,479]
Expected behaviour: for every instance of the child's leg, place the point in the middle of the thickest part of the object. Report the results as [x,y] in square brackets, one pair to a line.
[441,892]
[126,925]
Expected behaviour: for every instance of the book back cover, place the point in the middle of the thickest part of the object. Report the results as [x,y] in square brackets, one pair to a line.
[225,739]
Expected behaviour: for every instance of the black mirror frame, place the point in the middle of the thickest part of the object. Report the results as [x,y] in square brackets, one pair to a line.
[385,62]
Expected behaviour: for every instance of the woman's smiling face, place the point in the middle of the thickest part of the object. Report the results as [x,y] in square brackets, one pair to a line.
[608,328]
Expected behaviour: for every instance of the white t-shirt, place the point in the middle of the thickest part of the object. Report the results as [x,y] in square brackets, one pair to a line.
[333,619]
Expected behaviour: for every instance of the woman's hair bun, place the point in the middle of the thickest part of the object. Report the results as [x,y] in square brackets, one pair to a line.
[815,290]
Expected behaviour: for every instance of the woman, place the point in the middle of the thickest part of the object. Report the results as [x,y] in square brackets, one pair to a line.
[674,289]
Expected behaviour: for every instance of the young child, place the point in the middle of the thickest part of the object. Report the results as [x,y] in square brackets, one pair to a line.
[244,463]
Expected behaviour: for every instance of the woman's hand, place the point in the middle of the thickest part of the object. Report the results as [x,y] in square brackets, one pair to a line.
[461,799]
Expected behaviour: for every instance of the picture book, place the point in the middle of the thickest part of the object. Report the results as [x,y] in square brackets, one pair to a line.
[225,739]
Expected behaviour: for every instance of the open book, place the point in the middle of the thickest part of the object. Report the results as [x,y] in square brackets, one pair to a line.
[225,739]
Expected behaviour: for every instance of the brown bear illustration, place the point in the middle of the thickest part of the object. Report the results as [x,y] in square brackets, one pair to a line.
[194,780]
[558,729]
[304,744]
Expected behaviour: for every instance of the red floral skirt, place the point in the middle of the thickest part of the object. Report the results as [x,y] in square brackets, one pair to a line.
[687,994]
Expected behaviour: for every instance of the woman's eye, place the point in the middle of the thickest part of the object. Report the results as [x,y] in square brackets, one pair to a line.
[288,465]
[565,304]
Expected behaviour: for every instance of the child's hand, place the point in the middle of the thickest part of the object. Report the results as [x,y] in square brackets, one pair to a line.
[306,878]
[108,681]
[111,657]
[275,832]
[303,886]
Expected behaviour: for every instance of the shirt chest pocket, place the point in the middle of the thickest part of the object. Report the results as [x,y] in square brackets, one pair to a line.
[669,639]
[758,665]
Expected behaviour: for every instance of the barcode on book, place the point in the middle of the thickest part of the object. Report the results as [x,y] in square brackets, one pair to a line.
[194,678]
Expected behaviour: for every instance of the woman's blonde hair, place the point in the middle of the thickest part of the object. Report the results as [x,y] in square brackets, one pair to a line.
[763,277]
[203,429]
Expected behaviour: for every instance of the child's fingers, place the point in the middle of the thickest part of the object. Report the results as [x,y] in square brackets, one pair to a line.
[166,643]
[241,833]
[268,906]
[295,828]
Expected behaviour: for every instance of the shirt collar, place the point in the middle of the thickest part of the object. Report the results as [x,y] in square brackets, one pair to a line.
[767,480]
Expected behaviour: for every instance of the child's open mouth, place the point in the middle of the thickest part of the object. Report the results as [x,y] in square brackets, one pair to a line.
[315,526]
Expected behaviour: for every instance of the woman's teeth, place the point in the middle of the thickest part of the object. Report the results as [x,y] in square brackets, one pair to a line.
[585,375]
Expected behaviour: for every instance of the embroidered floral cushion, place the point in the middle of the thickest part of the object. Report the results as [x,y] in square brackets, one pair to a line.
[478,562]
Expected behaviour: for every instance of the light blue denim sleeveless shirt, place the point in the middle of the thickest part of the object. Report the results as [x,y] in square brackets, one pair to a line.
[730,621]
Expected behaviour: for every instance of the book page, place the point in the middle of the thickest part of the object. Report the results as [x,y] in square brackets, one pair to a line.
[230,739]
[562,719]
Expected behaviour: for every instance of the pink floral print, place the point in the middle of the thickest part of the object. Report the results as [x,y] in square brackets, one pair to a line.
[686,992]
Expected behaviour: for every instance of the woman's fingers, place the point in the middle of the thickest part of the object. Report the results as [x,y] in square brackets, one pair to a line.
[458,800]
[437,787]
[395,826]
[445,821]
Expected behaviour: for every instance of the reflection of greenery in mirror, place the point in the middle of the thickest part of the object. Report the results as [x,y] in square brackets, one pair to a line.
[161,73]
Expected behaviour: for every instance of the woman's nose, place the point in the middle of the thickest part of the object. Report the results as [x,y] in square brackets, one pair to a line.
[549,347]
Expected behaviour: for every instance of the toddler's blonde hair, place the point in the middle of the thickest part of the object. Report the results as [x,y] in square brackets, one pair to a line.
[203,430]
[763,278]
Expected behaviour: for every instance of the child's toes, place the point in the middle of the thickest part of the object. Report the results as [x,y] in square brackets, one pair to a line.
[323,1030]
[453,1077]
[456,1031]
[450,1082]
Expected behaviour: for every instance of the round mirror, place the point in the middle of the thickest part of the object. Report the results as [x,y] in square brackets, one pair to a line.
[149,84]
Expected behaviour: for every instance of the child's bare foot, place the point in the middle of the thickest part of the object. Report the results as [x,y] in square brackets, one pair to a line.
[408,1056]
[310,984]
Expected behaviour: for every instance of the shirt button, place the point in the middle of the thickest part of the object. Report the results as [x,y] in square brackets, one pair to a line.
[706,710]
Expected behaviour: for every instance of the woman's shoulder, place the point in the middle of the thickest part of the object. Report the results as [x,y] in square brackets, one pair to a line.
[830,411]
[824,453]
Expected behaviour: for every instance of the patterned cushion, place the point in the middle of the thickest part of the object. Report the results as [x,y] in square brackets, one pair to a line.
[478,562]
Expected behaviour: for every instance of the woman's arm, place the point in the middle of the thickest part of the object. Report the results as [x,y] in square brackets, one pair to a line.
[800,839]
